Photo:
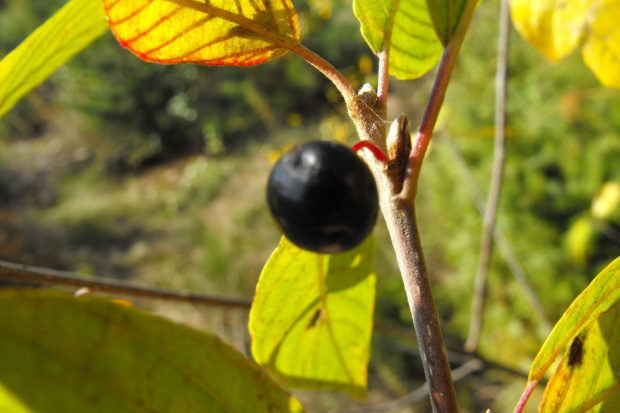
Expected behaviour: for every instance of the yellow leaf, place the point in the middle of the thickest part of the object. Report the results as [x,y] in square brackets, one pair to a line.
[587,378]
[601,52]
[216,32]
[600,296]
[596,307]
[556,28]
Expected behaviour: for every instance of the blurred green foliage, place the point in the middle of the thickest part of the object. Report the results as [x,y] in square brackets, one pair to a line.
[128,169]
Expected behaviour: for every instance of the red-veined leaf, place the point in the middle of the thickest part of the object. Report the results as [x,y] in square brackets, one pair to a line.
[214,32]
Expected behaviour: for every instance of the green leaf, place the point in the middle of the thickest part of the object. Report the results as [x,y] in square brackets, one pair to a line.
[600,296]
[404,29]
[446,14]
[588,377]
[311,320]
[65,354]
[70,30]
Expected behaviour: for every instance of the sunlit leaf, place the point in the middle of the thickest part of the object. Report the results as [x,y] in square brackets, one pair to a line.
[554,31]
[405,29]
[64,354]
[70,30]
[446,15]
[9,403]
[579,239]
[311,319]
[216,32]
[601,50]
[588,376]
[600,296]
[556,28]
[607,200]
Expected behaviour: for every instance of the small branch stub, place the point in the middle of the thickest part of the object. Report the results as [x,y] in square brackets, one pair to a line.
[399,149]
[394,164]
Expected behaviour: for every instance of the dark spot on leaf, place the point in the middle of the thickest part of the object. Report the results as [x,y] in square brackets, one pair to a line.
[315,318]
[575,354]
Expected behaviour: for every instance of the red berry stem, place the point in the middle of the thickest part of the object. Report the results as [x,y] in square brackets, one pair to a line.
[378,153]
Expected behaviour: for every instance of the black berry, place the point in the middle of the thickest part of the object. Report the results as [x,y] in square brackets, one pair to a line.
[323,197]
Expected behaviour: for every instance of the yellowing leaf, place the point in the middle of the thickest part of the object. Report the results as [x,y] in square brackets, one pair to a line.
[63,35]
[602,294]
[64,354]
[556,28]
[403,27]
[601,51]
[311,319]
[588,377]
[214,32]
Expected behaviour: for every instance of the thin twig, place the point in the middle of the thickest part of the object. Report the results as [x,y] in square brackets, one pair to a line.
[429,120]
[490,214]
[418,395]
[500,238]
[28,274]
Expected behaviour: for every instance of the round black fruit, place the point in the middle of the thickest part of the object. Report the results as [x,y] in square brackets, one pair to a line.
[323,197]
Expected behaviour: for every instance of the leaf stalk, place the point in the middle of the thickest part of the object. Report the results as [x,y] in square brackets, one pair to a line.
[438,94]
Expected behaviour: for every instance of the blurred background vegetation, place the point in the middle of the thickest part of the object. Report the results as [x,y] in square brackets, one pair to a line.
[156,174]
